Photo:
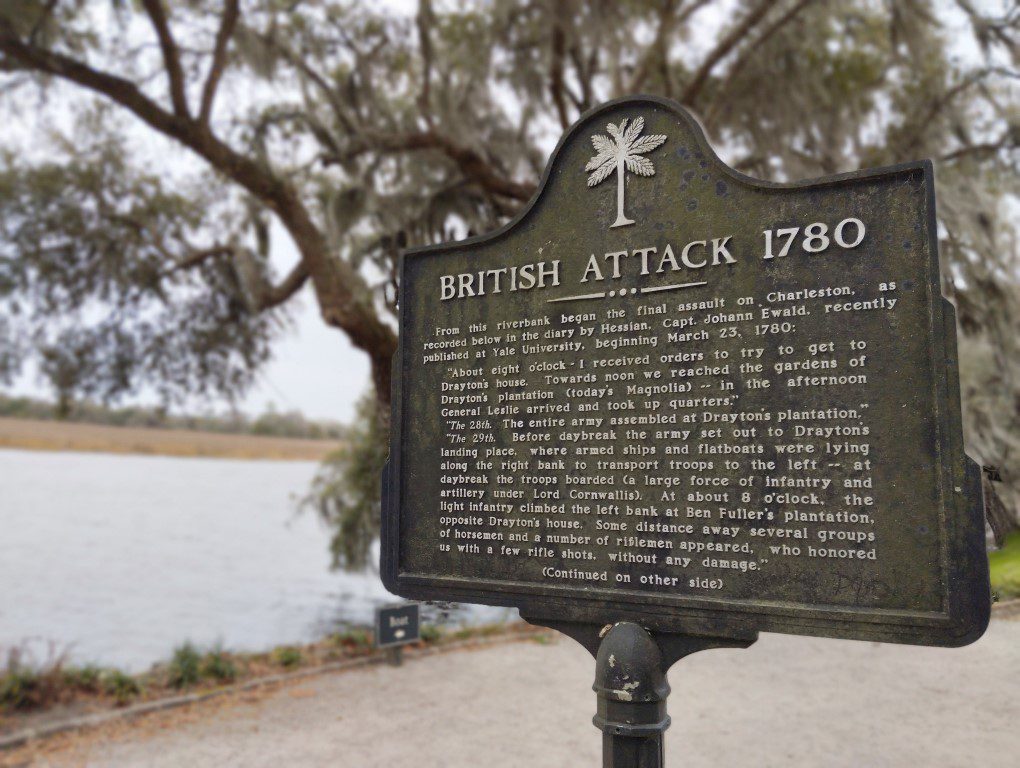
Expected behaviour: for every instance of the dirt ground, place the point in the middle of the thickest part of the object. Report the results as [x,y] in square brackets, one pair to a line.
[67,436]
[786,701]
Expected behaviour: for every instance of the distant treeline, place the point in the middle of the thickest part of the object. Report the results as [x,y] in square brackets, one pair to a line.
[271,423]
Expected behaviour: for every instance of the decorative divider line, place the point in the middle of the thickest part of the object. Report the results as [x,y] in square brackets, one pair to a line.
[624,291]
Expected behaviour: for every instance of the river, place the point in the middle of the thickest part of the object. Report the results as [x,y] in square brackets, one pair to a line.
[116,560]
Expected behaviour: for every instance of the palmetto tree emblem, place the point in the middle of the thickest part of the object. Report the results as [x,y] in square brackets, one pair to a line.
[622,153]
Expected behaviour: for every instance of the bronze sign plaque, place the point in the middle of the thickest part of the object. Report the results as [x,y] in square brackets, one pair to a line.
[672,394]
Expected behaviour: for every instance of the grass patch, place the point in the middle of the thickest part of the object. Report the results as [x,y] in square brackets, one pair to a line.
[1005,568]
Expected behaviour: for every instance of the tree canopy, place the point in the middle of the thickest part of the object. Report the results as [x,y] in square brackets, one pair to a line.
[137,217]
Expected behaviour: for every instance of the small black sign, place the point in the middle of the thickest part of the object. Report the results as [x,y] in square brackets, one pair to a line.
[397,625]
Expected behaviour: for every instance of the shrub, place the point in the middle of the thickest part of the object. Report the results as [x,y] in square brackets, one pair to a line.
[219,666]
[430,633]
[122,686]
[287,656]
[185,667]
[357,639]
[87,679]
[25,685]
[18,689]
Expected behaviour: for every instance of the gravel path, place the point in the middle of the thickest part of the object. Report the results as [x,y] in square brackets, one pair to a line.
[786,701]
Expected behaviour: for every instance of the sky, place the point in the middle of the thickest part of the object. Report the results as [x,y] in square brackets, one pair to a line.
[315,370]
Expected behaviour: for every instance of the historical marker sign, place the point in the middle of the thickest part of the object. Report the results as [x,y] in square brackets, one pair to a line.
[673,394]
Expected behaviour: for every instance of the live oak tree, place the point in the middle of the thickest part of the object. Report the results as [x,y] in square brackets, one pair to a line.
[182,142]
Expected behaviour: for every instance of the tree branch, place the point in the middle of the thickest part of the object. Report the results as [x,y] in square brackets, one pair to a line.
[944,100]
[747,54]
[727,44]
[424,24]
[474,167]
[690,10]
[44,17]
[219,60]
[556,69]
[316,78]
[275,295]
[246,172]
[1006,141]
[113,87]
[171,56]
[584,72]
[194,258]
[667,18]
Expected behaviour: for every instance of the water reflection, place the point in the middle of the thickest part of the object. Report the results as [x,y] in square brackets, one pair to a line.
[120,558]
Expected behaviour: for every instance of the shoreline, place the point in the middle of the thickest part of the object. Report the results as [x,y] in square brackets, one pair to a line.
[346,651]
[531,703]
[338,653]
[42,435]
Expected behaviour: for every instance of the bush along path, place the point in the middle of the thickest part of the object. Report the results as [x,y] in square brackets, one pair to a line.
[40,700]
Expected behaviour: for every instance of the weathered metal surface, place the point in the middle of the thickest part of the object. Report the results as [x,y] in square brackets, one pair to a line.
[631,686]
[711,405]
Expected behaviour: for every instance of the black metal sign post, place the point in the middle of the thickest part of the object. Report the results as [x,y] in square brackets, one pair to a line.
[631,686]
[668,407]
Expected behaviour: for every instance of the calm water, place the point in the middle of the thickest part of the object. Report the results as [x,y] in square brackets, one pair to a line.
[117,559]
